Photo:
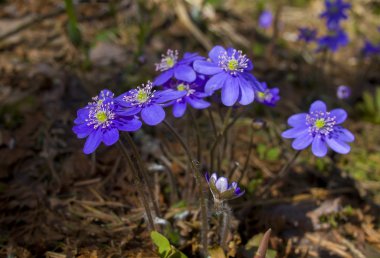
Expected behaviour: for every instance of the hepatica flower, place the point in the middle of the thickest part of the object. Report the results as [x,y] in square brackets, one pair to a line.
[221,189]
[268,97]
[194,96]
[100,122]
[307,34]
[265,19]
[370,49]
[229,70]
[343,92]
[320,128]
[335,12]
[170,67]
[333,41]
[148,102]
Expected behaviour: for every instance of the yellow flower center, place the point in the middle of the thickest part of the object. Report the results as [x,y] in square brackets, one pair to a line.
[261,95]
[319,123]
[181,87]
[169,62]
[101,116]
[233,64]
[142,96]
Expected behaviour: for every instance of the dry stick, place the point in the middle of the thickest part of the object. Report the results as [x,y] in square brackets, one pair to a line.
[199,181]
[281,174]
[144,173]
[140,189]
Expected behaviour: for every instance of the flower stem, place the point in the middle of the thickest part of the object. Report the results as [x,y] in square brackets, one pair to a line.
[199,182]
[226,212]
[138,183]
[284,171]
[144,173]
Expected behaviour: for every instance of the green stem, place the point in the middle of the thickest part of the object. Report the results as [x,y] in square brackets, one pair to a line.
[199,182]
[138,183]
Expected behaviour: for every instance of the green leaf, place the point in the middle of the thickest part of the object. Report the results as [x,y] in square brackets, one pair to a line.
[273,154]
[161,242]
[369,103]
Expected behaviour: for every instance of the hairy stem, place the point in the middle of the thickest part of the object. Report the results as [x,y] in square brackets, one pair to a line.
[226,214]
[199,182]
[144,173]
[138,183]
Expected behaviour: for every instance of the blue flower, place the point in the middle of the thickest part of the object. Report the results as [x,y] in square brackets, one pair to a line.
[333,41]
[147,102]
[307,34]
[335,12]
[194,96]
[100,122]
[343,92]
[221,190]
[229,70]
[268,97]
[170,67]
[265,19]
[370,49]
[319,128]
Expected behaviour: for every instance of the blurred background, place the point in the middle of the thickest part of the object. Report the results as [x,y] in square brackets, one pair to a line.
[55,55]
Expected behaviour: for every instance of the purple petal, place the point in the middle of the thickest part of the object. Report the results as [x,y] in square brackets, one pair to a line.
[222,184]
[230,91]
[318,106]
[215,83]
[164,77]
[179,109]
[153,114]
[297,120]
[346,135]
[215,52]
[319,147]
[110,136]
[295,132]
[82,114]
[205,67]
[82,130]
[340,115]
[338,145]
[302,141]
[128,111]
[198,103]
[168,95]
[129,125]
[184,73]
[93,141]
[247,93]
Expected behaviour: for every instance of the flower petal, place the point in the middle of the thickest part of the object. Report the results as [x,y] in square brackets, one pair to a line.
[230,91]
[93,141]
[179,109]
[297,120]
[338,145]
[168,95]
[215,52]
[221,184]
[247,93]
[345,135]
[294,132]
[340,115]
[215,83]
[205,67]
[82,130]
[110,136]
[184,73]
[318,106]
[302,141]
[319,147]
[198,103]
[164,77]
[153,114]
[129,125]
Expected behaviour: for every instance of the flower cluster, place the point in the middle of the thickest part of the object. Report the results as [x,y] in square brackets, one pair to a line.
[343,92]
[320,128]
[307,34]
[370,49]
[334,13]
[181,83]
